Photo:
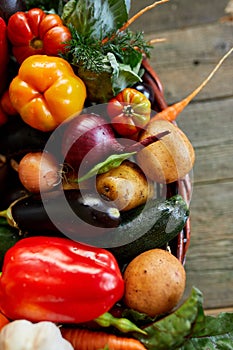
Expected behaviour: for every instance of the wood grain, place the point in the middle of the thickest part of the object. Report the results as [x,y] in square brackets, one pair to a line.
[177,14]
[195,41]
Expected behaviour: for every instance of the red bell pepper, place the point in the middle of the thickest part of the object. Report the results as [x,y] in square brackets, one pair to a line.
[36,33]
[4,55]
[58,280]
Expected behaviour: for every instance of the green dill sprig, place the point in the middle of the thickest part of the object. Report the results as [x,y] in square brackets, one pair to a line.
[126,46]
[84,51]
[127,42]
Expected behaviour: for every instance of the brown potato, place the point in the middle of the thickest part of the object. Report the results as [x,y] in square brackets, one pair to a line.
[154,282]
[169,159]
[126,185]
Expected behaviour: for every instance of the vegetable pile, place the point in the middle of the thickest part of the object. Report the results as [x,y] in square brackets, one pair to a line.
[88,158]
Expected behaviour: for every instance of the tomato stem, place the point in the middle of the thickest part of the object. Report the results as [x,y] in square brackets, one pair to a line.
[36,43]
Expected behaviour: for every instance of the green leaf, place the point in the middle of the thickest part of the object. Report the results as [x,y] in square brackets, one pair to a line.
[97,19]
[217,333]
[220,342]
[8,237]
[115,77]
[171,331]
[123,76]
[111,162]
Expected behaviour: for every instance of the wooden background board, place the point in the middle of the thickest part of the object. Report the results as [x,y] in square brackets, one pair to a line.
[197,36]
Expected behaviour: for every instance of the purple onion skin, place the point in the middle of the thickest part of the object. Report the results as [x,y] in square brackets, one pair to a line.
[88,140]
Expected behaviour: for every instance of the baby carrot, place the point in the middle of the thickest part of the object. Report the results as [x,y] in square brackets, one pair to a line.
[136,16]
[82,339]
[170,113]
[140,13]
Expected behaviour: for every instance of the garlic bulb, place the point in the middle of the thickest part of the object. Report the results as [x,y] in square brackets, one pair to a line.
[24,335]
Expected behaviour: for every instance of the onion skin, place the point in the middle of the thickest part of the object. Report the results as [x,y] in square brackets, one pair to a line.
[38,172]
[85,133]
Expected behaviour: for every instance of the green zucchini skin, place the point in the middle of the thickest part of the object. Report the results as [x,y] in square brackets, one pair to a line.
[8,237]
[169,217]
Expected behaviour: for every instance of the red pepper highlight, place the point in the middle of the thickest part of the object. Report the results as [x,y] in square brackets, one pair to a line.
[58,280]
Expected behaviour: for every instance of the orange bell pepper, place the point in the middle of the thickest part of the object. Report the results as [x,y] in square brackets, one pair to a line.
[46,92]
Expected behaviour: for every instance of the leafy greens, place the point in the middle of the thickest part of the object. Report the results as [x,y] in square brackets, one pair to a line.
[100,52]
[188,328]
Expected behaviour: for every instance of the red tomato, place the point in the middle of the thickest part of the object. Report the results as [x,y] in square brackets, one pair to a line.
[129,112]
[35,32]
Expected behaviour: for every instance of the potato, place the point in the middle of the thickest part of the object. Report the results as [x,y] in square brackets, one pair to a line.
[126,185]
[169,159]
[154,282]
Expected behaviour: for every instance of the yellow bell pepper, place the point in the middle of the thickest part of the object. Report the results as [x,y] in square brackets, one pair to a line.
[46,92]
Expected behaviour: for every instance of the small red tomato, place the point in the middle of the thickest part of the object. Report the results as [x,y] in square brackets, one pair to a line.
[129,111]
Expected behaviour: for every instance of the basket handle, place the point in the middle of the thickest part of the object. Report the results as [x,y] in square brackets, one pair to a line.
[151,78]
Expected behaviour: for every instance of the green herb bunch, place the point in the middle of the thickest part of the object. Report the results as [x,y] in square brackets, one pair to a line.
[127,47]
[102,49]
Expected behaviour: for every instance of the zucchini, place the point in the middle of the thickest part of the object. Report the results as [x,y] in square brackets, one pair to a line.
[8,237]
[151,227]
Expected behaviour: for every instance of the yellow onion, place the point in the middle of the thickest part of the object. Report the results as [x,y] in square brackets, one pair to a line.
[39,172]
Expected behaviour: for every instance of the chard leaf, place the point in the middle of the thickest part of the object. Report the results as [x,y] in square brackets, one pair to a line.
[8,237]
[172,331]
[122,74]
[216,334]
[97,19]
[114,78]
[109,163]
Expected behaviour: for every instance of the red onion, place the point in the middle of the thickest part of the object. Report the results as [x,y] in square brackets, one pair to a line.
[89,139]
[85,133]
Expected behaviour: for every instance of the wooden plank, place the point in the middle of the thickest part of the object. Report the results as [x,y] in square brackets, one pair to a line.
[217,311]
[209,263]
[195,41]
[186,58]
[208,123]
[214,164]
[177,14]
[209,127]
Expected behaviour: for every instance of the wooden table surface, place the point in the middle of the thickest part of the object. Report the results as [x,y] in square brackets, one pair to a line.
[198,33]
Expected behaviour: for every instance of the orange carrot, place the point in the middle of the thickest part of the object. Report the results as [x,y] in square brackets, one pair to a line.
[136,16]
[140,13]
[83,339]
[170,113]
[3,320]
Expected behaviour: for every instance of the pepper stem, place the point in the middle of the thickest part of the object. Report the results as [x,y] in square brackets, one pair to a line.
[3,214]
[122,324]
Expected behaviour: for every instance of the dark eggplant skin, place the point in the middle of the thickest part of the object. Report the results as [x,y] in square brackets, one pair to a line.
[9,7]
[11,187]
[35,215]
[17,138]
[146,90]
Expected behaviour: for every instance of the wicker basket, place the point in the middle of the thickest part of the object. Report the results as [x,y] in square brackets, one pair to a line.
[180,244]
